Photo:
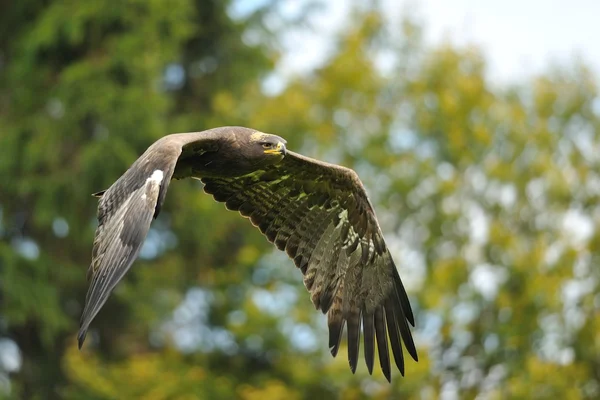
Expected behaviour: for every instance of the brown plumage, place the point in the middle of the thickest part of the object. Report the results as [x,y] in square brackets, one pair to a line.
[318,213]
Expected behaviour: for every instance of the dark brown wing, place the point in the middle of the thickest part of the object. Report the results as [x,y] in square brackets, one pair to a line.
[320,215]
[124,215]
[125,212]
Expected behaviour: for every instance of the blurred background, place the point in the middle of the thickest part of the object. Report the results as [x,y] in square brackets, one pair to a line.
[475,128]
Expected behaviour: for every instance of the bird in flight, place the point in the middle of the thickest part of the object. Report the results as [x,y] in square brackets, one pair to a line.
[318,213]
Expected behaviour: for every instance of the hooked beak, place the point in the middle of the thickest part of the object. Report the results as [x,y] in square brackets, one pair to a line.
[278,150]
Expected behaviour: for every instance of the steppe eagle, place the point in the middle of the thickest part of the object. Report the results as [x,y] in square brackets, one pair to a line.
[319,213]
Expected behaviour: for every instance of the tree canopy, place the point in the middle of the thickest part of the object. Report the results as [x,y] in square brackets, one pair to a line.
[487,194]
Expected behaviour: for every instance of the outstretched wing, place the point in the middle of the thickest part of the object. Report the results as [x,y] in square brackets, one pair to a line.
[124,215]
[319,213]
[125,212]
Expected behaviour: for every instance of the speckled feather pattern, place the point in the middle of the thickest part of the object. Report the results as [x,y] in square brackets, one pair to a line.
[320,215]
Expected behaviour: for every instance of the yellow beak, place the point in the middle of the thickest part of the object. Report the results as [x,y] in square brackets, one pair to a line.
[279,149]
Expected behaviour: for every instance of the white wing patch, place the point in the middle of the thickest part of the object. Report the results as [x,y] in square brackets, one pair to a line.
[153,182]
[157,176]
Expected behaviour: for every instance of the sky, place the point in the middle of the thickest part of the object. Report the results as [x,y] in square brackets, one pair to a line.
[520,38]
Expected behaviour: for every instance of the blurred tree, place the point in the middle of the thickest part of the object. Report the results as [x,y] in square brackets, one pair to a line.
[488,196]
[83,89]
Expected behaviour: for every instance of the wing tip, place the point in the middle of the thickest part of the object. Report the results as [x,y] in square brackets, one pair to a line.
[81,338]
[336,327]
[353,332]
[413,353]
[369,339]
[334,350]
[352,366]
[403,298]
[388,375]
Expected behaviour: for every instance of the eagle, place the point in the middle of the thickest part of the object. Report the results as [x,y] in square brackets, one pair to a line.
[318,213]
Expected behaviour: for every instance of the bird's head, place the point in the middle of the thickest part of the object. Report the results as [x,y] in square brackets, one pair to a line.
[239,151]
[256,149]
[266,147]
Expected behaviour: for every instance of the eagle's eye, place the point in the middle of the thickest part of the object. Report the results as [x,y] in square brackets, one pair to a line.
[267,145]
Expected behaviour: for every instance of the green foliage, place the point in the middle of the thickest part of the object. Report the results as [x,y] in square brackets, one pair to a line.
[487,196]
